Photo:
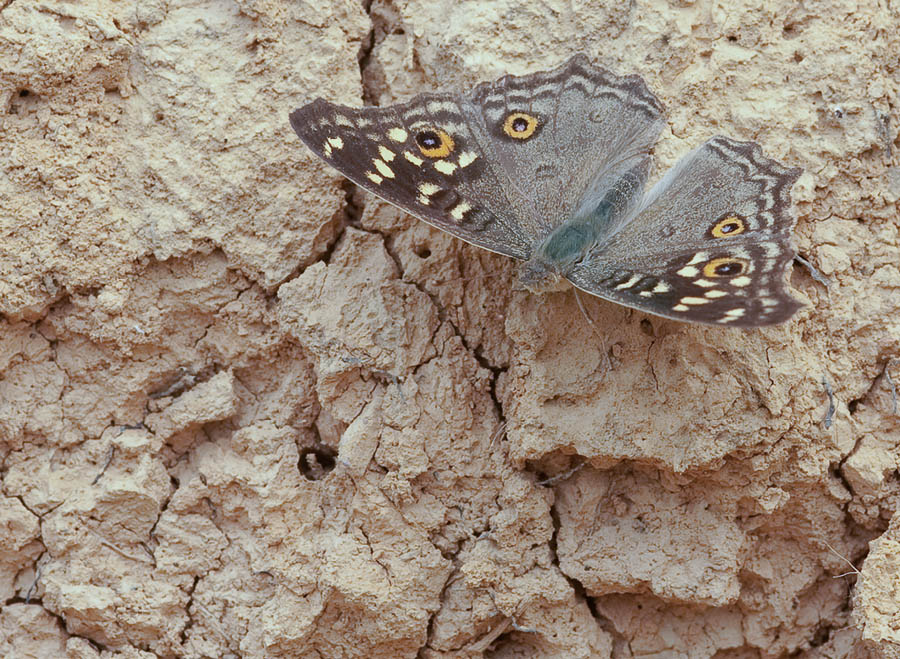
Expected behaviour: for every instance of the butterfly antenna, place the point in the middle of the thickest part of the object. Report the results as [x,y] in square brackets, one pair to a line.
[593,325]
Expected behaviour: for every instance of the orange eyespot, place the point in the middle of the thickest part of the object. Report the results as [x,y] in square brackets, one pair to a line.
[724,267]
[435,143]
[730,225]
[520,126]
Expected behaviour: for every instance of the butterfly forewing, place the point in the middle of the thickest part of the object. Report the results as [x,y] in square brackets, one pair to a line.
[711,244]
[377,148]
[590,126]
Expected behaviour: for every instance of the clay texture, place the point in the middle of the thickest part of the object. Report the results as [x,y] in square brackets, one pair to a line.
[248,411]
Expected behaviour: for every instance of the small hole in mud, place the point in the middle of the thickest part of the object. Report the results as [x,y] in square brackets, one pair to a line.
[315,463]
[853,404]
[798,56]
[423,252]
[24,92]
[731,38]
[820,637]
[647,327]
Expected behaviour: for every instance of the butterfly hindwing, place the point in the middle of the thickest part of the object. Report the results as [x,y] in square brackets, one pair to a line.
[710,243]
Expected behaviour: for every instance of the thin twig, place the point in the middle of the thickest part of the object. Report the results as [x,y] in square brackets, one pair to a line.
[511,618]
[843,558]
[33,586]
[813,272]
[887,376]
[563,476]
[498,433]
[830,414]
[109,458]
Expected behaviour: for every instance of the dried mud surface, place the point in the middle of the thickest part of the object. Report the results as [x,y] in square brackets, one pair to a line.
[247,411]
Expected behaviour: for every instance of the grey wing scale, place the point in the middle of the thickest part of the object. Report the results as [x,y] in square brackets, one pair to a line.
[710,243]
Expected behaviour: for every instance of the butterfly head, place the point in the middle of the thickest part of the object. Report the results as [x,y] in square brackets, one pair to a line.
[539,276]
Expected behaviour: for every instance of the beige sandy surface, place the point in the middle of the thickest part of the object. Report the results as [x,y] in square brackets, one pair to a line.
[248,412]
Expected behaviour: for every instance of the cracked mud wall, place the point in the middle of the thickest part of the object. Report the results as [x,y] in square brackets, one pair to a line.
[248,411]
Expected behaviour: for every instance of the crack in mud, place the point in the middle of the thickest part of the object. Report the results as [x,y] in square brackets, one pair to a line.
[578,588]
[429,629]
[189,624]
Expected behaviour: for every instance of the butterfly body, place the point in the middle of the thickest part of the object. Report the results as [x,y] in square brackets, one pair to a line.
[550,168]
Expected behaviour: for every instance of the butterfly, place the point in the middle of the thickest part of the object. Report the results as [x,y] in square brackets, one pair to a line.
[550,168]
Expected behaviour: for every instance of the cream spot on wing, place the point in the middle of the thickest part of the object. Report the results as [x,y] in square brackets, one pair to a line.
[383,169]
[772,249]
[768,302]
[706,283]
[386,153]
[661,287]
[688,271]
[741,281]
[398,134]
[715,293]
[646,294]
[375,178]
[693,300]
[459,211]
[444,166]
[336,142]
[435,107]
[424,200]
[341,120]
[326,149]
[628,284]
[362,122]
[413,159]
[680,307]
[735,313]
[698,257]
[428,189]
[467,158]
[543,89]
